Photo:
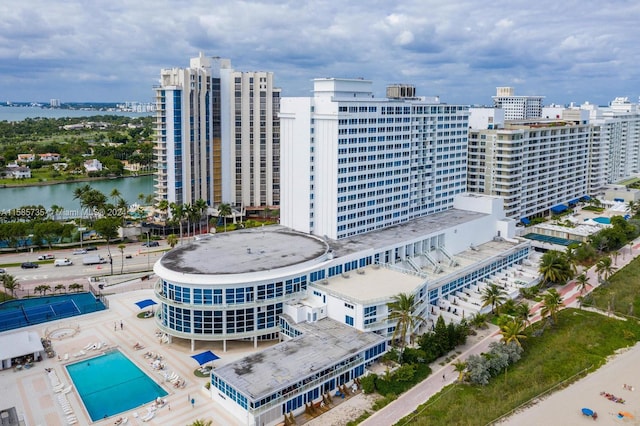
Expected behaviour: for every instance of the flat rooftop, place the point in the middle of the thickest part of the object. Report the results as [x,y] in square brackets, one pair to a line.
[399,233]
[273,247]
[253,250]
[370,284]
[322,344]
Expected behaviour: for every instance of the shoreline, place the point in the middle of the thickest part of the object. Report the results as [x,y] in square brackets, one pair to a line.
[84,179]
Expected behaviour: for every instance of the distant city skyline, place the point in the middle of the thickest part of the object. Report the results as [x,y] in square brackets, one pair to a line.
[113,51]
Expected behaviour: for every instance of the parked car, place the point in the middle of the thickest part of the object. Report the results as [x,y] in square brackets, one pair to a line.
[151,244]
[2,271]
[79,251]
[46,257]
[92,248]
[28,265]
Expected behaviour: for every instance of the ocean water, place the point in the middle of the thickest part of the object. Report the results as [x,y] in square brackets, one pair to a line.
[8,113]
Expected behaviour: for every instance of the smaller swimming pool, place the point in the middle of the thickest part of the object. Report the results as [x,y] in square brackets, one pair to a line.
[603,220]
[111,384]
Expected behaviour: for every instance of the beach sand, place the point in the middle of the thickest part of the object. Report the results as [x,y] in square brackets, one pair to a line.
[564,407]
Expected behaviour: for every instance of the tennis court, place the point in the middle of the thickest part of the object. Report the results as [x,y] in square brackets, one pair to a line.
[24,312]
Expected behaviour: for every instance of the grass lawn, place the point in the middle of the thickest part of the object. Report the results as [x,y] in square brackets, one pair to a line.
[581,340]
[622,290]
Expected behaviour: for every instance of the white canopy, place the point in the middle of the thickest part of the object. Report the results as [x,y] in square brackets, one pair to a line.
[19,344]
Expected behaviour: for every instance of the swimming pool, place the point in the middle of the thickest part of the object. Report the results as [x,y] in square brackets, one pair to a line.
[604,220]
[36,310]
[111,384]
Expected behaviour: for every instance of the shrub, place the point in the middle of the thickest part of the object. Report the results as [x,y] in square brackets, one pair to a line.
[368,383]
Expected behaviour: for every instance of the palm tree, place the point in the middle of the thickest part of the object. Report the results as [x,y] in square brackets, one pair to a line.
[172,240]
[512,330]
[401,310]
[75,286]
[570,257]
[493,296]
[201,422]
[554,268]
[224,210]
[523,312]
[60,288]
[551,304]
[479,320]
[193,215]
[10,283]
[177,214]
[460,367]
[202,207]
[605,268]
[115,194]
[78,194]
[121,247]
[632,207]
[582,282]
[55,209]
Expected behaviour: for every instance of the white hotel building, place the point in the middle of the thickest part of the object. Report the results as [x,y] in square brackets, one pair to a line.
[373,205]
[353,163]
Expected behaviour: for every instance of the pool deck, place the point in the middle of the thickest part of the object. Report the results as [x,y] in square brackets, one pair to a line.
[31,392]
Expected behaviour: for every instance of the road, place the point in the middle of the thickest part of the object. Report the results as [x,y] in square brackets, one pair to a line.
[141,259]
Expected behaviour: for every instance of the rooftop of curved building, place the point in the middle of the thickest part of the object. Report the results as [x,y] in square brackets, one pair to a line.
[245,251]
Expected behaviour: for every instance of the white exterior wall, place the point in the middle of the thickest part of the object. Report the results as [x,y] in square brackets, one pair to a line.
[375,163]
[486,118]
[295,154]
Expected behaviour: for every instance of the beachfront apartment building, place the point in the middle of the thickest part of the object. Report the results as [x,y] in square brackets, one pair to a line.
[353,163]
[534,165]
[217,135]
[517,107]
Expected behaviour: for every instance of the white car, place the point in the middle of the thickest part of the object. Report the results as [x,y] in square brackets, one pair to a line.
[80,251]
[46,257]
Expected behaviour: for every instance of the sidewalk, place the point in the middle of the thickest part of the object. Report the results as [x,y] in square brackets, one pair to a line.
[443,376]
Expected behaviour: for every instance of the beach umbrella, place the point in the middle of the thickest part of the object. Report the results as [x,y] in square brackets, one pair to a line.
[587,412]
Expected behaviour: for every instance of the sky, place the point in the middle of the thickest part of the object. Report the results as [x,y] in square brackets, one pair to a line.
[460,50]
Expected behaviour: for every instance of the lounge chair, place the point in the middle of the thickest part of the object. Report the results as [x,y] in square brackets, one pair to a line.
[66,357]
[150,415]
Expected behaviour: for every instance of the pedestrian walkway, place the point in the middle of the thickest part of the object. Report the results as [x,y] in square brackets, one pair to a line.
[446,375]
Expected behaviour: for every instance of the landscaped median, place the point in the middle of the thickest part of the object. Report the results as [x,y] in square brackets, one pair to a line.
[578,343]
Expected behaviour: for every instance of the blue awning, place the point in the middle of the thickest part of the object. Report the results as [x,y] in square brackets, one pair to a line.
[574,201]
[585,198]
[620,200]
[525,220]
[205,357]
[559,208]
[144,303]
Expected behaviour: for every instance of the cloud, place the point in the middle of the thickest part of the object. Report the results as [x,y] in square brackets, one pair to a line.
[113,50]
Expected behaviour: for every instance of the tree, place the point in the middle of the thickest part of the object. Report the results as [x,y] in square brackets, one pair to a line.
[493,296]
[605,268]
[121,247]
[201,422]
[224,210]
[10,283]
[554,268]
[201,207]
[582,282]
[78,194]
[479,320]
[523,312]
[108,228]
[75,286]
[401,310]
[551,304]
[513,331]
[172,240]
[460,367]
[60,288]
[177,214]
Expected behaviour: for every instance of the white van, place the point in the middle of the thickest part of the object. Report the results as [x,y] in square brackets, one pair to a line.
[62,262]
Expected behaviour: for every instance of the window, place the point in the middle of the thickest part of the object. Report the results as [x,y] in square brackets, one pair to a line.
[348,320]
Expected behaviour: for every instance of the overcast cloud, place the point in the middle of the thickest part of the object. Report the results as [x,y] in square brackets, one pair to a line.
[113,50]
